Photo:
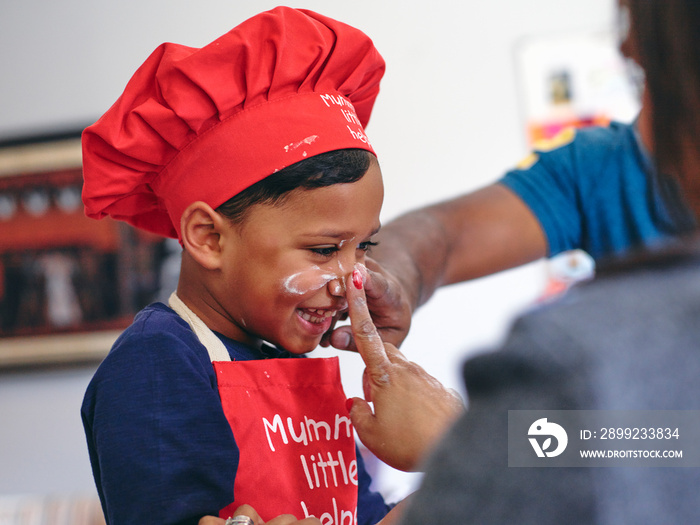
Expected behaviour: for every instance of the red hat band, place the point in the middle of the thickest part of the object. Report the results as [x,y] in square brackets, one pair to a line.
[254,143]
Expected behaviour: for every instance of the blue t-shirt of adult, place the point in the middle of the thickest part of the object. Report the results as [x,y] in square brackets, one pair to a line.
[596,189]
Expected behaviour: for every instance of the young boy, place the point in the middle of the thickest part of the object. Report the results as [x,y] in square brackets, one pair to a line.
[251,151]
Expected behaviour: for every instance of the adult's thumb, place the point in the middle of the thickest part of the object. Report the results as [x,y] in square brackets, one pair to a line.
[342,339]
[361,416]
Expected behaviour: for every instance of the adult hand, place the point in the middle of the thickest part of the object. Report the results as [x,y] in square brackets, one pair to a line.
[412,409]
[389,307]
[247,510]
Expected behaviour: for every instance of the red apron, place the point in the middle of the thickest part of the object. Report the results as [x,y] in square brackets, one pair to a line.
[296,442]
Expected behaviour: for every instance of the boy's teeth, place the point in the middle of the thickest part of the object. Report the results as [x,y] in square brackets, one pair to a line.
[319,317]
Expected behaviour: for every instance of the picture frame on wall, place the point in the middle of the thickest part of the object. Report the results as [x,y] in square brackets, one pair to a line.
[68,284]
[574,80]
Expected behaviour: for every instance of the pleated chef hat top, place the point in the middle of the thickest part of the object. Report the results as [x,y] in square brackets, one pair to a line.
[206,123]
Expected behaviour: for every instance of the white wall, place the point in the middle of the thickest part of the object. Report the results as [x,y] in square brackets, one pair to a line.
[447,121]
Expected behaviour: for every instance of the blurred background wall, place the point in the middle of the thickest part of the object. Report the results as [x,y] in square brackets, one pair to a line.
[449,119]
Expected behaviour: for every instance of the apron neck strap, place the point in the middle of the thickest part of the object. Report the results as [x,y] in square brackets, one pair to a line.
[216,349]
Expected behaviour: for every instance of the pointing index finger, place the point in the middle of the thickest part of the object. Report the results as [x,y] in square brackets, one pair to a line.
[367,340]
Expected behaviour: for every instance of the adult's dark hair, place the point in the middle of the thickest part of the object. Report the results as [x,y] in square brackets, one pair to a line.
[667,34]
[335,167]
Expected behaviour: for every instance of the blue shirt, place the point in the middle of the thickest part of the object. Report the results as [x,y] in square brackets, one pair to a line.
[161,449]
[596,189]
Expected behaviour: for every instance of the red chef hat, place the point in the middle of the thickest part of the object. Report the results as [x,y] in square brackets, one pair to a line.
[204,124]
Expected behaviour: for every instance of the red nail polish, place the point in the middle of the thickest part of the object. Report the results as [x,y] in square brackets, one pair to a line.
[357,279]
[348,403]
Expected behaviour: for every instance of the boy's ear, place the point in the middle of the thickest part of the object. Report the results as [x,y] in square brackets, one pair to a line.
[201,229]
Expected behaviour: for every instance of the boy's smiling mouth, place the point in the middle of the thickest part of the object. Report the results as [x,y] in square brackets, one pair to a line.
[316,315]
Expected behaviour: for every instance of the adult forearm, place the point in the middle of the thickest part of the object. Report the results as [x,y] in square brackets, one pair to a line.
[471,236]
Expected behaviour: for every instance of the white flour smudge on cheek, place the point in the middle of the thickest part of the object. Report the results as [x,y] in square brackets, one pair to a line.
[302,283]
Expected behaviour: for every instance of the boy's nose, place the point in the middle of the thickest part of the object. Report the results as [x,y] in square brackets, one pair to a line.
[336,287]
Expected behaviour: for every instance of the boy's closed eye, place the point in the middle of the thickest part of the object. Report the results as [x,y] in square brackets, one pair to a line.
[325,251]
[366,246]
